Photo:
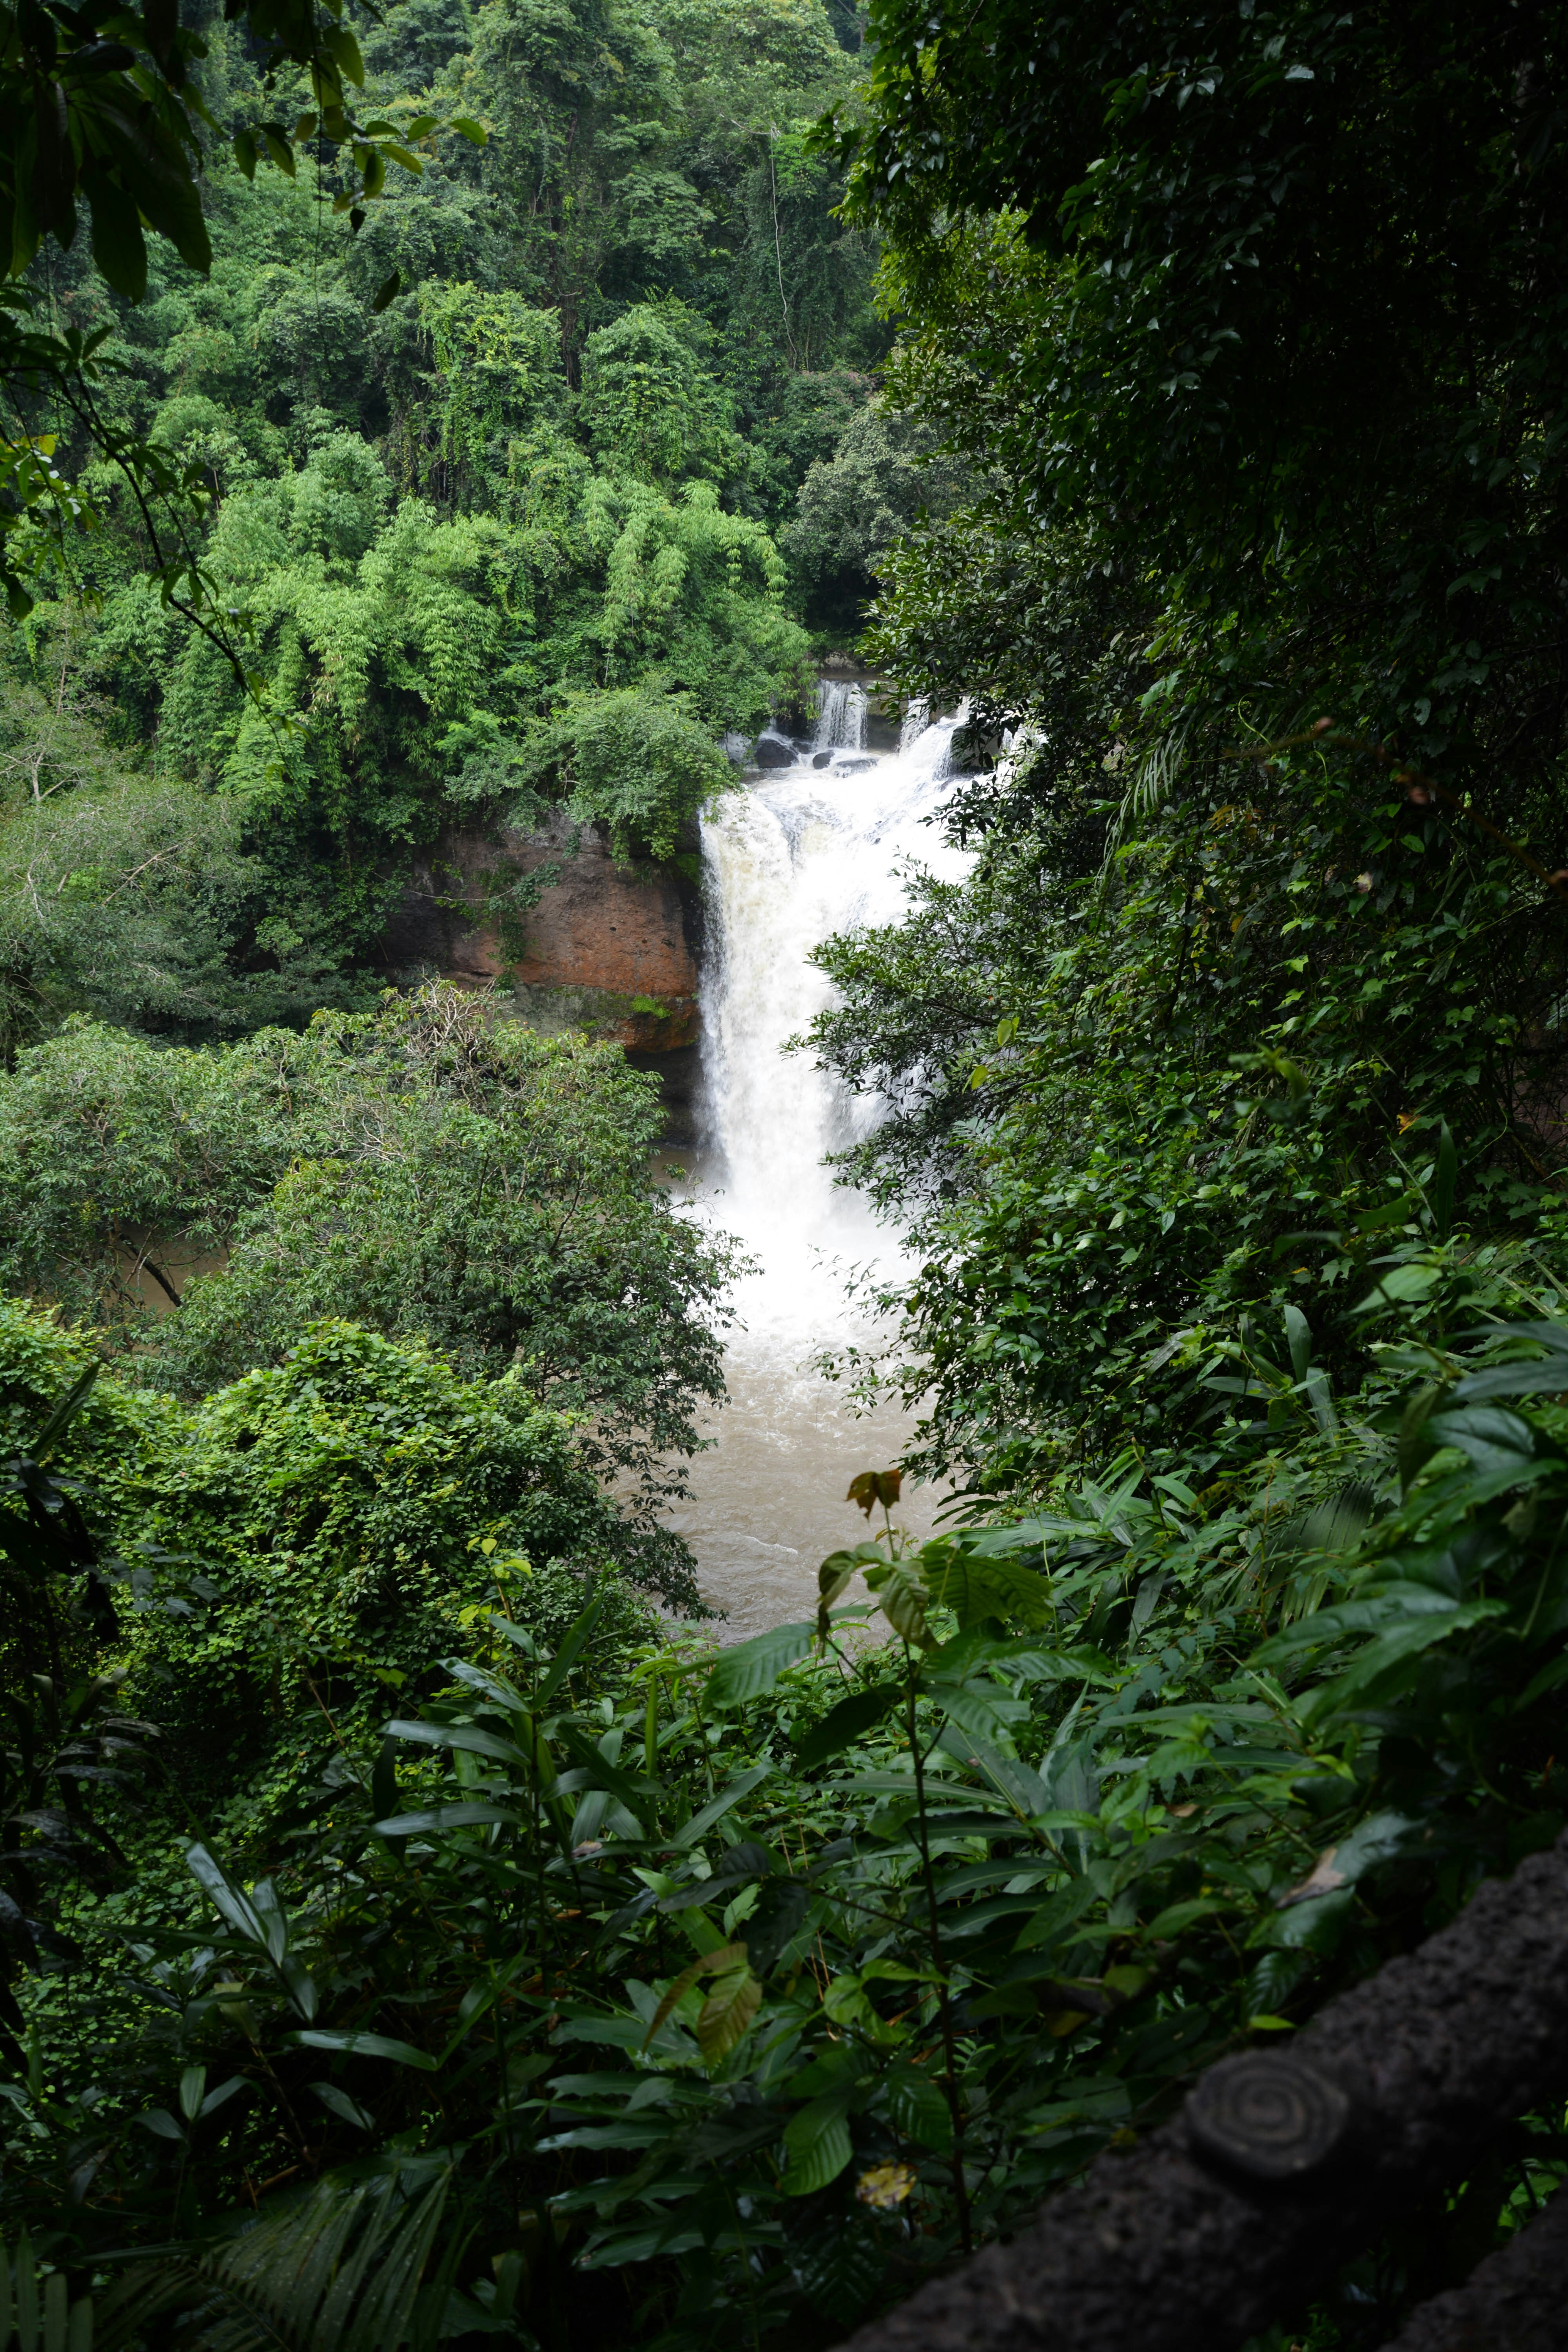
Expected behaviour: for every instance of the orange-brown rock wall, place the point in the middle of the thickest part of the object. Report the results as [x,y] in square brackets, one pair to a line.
[605,948]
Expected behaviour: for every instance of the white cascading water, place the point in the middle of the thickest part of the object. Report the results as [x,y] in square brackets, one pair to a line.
[801,852]
[841,716]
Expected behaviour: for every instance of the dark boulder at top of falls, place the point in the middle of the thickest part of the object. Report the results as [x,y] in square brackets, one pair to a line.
[773,751]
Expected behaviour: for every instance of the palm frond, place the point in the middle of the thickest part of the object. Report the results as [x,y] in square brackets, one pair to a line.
[1148,787]
[339,2272]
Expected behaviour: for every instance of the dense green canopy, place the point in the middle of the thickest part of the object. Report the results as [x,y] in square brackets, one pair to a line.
[1249,327]
[483,501]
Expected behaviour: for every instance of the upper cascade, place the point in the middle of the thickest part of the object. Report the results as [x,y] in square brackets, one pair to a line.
[841,716]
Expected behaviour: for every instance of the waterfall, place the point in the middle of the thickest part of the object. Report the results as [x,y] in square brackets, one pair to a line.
[841,716]
[917,718]
[802,852]
[805,852]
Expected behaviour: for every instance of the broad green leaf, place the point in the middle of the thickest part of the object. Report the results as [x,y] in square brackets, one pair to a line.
[902,1598]
[1544,1374]
[1491,1439]
[753,1667]
[1075,1665]
[160,2124]
[566,1656]
[365,2045]
[1058,1915]
[917,2107]
[1024,1789]
[225,1896]
[1404,1286]
[446,1817]
[619,2033]
[1027,1535]
[701,1823]
[1298,1337]
[1073,1782]
[817,2145]
[1380,1658]
[1177,1918]
[1397,1604]
[465,1736]
[850,1720]
[339,2102]
[836,1573]
[592,1759]
[1315,1925]
[636,2131]
[975,1587]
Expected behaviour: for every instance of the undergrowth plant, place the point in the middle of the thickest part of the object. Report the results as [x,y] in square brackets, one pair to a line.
[733,1992]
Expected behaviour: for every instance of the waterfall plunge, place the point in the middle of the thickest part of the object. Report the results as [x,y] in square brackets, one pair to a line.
[802,852]
[806,852]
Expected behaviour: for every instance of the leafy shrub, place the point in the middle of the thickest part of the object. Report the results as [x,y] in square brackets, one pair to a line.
[648,403]
[346,1506]
[764,1984]
[423,1171]
[638,762]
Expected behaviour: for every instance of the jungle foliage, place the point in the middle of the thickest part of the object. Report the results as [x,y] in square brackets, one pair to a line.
[1249,327]
[702,1994]
[407,1940]
[366,535]
[432,1174]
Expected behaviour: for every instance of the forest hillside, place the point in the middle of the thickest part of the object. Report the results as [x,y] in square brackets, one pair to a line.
[419,1926]
[491,503]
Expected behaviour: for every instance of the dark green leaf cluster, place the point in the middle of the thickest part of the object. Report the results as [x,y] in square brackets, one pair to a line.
[755,1987]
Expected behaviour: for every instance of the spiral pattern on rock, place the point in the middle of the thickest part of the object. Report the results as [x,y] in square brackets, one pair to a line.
[1271,2116]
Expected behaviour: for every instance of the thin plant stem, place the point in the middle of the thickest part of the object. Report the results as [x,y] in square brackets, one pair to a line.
[944,2007]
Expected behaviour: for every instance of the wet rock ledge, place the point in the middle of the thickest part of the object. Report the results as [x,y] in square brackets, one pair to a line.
[607,948]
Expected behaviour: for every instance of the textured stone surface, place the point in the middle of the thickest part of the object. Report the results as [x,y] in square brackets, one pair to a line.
[1157,2251]
[1516,2301]
[603,950]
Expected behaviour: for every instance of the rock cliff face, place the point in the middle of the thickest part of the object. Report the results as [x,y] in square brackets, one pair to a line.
[603,949]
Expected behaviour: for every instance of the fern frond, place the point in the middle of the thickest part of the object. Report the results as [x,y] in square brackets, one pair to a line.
[337,2271]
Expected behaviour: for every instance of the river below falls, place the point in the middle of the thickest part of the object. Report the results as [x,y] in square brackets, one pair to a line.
[770,1496]
[804,850]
